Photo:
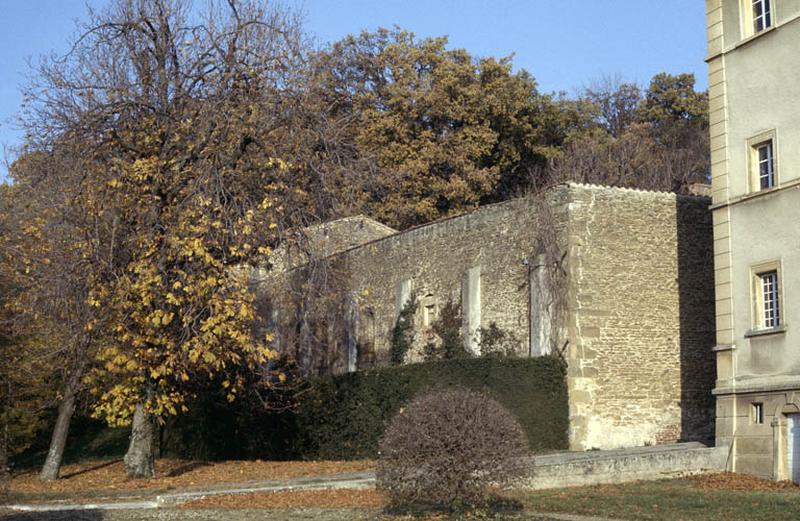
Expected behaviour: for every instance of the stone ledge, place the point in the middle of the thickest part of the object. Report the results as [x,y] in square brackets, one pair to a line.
[788,384]
[624,465]
[766,332]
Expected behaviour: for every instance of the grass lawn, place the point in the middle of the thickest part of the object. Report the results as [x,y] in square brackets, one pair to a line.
[721,497]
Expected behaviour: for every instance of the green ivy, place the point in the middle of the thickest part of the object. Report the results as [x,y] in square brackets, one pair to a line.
[403,332]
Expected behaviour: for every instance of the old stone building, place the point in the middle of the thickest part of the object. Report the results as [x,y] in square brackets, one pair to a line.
[617,281]
[754,100]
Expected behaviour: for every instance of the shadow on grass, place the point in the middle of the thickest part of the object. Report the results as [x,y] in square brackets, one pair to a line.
[90,469]
[496,507]
[88,440]
[66,515]
[187,467]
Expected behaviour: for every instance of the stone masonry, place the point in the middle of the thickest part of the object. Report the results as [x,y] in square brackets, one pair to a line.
[637,324]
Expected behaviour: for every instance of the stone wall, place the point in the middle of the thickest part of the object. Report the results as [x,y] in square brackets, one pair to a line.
[638,319]
[622,466]
[326,239]
[641,319]
[443,262]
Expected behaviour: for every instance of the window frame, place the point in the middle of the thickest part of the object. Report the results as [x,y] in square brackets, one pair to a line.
[761,320]
[770,299]
[754,145]
[757,415]
[430,311]
[766,17]
[749,20]
[765,180]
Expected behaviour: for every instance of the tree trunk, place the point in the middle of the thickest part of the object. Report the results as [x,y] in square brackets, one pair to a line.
[4,469]
[55,455]
[52,464]
[140,458]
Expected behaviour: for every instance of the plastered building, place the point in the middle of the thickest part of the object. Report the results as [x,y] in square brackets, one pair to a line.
[754,97]
[619,282]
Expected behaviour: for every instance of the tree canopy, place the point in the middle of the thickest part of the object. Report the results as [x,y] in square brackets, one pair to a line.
[446,131]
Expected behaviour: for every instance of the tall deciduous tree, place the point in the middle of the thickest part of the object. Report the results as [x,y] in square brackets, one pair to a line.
[55,249]
[27,377]
[174,114]
[654,140]
[616,101]
[445,131]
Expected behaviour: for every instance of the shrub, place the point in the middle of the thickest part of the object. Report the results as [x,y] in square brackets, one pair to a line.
[447,329]
[497,342]
[448,448]
[344,416]
[403,332]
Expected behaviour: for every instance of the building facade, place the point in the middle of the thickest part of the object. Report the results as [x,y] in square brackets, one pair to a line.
[754,100]
[617,281]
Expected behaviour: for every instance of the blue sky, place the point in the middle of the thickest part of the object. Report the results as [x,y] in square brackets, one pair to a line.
[564,43]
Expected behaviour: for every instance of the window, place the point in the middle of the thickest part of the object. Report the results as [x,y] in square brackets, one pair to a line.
[767,300]
[770,302]
[763,161]
[762,15]
[429,315]
[428,310]
[757,409]
[756,16]
[766,165]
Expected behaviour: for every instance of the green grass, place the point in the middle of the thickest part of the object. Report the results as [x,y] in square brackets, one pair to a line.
[667,500]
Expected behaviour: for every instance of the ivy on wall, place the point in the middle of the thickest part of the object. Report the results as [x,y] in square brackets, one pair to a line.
[403,332]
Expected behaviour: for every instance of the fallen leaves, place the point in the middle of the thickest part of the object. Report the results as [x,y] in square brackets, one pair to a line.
[328,498]
[733,481]
[173,473]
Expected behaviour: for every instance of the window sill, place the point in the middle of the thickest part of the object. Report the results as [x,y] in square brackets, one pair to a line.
[756,194]
[748,39]
[766,332]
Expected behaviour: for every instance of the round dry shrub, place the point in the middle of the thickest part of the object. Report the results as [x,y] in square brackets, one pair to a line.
[449,448]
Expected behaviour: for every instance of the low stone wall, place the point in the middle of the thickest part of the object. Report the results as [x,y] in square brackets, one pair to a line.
[571,469]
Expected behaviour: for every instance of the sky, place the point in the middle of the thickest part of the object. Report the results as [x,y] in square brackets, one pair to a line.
[565,44]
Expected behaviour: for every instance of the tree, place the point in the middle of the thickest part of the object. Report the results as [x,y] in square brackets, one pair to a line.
[54,249]
[679,118]
[445,131]
[656,141]
[26,376]
[671,98]
[617,103]
[174,116]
